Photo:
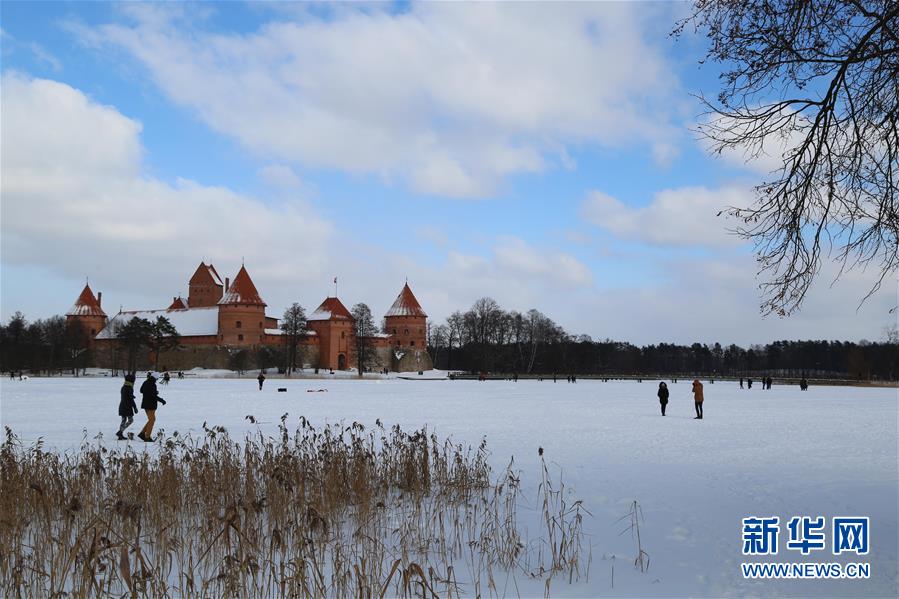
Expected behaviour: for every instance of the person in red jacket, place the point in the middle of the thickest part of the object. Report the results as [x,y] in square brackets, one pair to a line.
[697,398]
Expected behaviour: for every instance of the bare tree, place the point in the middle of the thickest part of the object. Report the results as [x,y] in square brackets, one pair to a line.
[818,81]
[293,326]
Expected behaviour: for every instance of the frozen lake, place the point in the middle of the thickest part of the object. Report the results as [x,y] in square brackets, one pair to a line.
[830,451]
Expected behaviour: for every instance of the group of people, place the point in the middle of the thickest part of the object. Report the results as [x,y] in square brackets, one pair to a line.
[767,381]
[150,401]
[698,397]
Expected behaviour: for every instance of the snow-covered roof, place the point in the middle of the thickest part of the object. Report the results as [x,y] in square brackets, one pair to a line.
[274,332]
[242,290]
[206,274]
[406,304]
[331,309]
[215,275]
[193,322]
[178,303]
[86,304]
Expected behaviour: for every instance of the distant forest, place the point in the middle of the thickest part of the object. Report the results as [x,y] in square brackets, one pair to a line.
[487,338]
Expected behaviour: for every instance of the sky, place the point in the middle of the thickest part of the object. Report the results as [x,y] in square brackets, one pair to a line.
[543,154]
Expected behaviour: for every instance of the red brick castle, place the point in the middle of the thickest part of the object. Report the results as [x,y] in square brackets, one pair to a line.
[219,318]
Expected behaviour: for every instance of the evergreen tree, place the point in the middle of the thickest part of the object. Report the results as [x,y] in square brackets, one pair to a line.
[364,331]
[294,327]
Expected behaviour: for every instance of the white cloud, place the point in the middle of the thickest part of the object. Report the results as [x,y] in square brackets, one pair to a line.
[75,200]
[686,216]
[513,254]
[281,176]
[450,98]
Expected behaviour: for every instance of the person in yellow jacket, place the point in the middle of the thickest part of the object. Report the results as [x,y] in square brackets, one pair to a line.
[697,398]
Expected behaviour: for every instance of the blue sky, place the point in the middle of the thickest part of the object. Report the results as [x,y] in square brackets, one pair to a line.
[541,154]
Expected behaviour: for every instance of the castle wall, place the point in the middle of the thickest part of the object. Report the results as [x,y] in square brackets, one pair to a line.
[405,359]
[407,331]
[241,325]
[336,338]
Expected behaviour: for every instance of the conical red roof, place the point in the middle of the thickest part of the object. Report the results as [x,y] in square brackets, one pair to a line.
[242,291]
[406,304]
[331,309]
[86,304]
[178,304]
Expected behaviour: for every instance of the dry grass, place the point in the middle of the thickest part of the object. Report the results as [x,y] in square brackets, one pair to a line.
[321,512]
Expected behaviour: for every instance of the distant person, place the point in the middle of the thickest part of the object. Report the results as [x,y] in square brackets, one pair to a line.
[803,384]
[261,379]
[663,396]
[697,398]
[741,382]
[127,407]
[749,383]
[166,378]
[148,404]
[770,382]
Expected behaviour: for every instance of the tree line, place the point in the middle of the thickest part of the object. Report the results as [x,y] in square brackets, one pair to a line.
[486,338]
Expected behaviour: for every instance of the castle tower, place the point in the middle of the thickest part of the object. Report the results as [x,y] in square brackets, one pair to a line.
[87,314]
[241,317]
[334,326]
[407,322]
[205,287]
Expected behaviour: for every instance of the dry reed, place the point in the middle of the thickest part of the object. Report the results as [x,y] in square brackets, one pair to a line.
[332,511]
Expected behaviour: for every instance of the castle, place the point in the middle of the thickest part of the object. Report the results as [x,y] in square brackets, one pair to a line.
[219,318]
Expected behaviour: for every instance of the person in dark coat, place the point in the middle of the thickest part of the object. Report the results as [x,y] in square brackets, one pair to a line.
[148,404]
[127,407]
[261,379]
[663,396]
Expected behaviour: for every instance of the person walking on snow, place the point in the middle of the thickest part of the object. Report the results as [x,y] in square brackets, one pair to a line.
[663,396]
[697,398]
[149,403]
[261,379]
[127,407]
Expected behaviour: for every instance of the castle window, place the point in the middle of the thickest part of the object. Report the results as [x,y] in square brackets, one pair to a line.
[413,342]
[240,337]
[342,334]
[406,332]
[93,331]
[239,325]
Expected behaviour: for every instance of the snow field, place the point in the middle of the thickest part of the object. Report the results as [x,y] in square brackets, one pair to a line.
[830,451]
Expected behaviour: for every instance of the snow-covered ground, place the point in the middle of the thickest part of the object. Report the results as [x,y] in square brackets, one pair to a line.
[830,451]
